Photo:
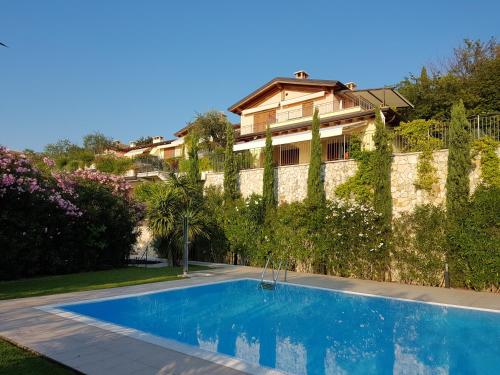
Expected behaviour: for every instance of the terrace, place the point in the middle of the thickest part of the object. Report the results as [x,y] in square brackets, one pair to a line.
[289,114]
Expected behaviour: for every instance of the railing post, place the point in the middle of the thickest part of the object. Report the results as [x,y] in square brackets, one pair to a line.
[478,133]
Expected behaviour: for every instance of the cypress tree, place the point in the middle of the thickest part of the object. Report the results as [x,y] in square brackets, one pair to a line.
[382,159]
[268,180]
[193,172]
[315,190]
[457,181]
[230,168]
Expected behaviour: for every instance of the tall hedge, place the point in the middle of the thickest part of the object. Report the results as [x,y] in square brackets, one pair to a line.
[382,159]
[193,171]
[315,190]
[459,162]
[230,168]
[268,180]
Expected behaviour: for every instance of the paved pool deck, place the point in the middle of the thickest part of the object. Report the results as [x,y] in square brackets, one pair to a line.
[92,350]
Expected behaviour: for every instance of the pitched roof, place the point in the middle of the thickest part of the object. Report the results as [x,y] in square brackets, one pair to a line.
[235,108]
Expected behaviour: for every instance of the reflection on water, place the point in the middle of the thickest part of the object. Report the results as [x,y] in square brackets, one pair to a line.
[310,331]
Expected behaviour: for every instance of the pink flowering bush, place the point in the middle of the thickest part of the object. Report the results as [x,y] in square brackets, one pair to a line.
[53,222]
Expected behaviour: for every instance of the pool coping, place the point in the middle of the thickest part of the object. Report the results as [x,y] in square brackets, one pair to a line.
[88,349]
[171,344]
[215,357]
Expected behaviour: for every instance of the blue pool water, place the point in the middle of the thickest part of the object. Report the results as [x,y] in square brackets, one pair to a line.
[313,331]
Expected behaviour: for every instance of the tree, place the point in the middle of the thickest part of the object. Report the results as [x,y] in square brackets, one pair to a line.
[315,190]
[230,167]
[143,141]
[62,146]
[211,127]
[167,206]
[192,143]
[382,196]
[471,75]
[459,163]
[268,180]
[96,142]
[382,159]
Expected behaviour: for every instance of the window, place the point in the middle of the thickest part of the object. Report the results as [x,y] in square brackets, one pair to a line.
[307,109]
[262,119]
[289,155]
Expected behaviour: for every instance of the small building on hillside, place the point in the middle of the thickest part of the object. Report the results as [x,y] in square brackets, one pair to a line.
[287,105]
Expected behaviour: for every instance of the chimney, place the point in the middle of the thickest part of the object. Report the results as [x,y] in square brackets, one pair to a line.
[301,74]
[351,85]
[158,139]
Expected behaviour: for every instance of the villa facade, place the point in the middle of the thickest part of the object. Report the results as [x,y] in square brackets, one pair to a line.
[286,105]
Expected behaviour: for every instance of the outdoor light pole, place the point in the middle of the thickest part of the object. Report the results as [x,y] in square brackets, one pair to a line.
[186,247]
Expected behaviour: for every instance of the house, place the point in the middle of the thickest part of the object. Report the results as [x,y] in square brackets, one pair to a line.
[287,105]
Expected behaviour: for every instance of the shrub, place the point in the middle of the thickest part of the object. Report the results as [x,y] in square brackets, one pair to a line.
[61,222]
[475,238]
[420,246]
[112,164]
[358,187]
[490,162]
[339,238]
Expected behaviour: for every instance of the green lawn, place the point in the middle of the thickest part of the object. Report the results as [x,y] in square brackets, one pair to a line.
[17,361]
[41,286]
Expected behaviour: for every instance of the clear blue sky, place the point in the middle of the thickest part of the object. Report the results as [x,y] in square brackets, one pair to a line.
[134,68]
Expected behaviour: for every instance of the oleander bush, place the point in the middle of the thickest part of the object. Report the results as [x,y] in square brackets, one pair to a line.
[59,222]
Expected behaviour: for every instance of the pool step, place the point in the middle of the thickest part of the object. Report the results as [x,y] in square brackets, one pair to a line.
[267,284]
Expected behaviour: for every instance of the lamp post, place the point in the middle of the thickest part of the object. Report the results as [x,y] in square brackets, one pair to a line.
[186,247]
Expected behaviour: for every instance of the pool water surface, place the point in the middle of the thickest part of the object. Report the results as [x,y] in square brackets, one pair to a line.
[305,330]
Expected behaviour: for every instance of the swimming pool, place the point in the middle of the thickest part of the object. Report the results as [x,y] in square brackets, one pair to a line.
[304,330]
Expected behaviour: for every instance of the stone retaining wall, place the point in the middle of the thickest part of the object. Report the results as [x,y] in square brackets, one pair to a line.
[291,181]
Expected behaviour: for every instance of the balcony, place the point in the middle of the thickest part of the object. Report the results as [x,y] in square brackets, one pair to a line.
[283,117]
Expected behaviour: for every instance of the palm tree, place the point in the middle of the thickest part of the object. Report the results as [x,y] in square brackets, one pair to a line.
[170,204]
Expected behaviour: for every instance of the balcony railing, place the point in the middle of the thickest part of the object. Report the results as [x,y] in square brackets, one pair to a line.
[307,111]
[333,149]
[479,127]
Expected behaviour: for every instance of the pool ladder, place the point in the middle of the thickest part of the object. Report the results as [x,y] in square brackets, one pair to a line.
[275,274]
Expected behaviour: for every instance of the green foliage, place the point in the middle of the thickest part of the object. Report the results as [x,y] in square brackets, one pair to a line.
[268,179]
[61,147]
[472,75]
[231,190]
[415,136]
[243,227]
[382,159]
[212,129]
[193,168]
[315,190]
[426,172]
[64,223]
[419,246]
[143,141]
[112,164]
[459,162]
[475,240]
[337,238]
[358,187]
[15,360]
[490,162]
[96,142]
[167,206]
